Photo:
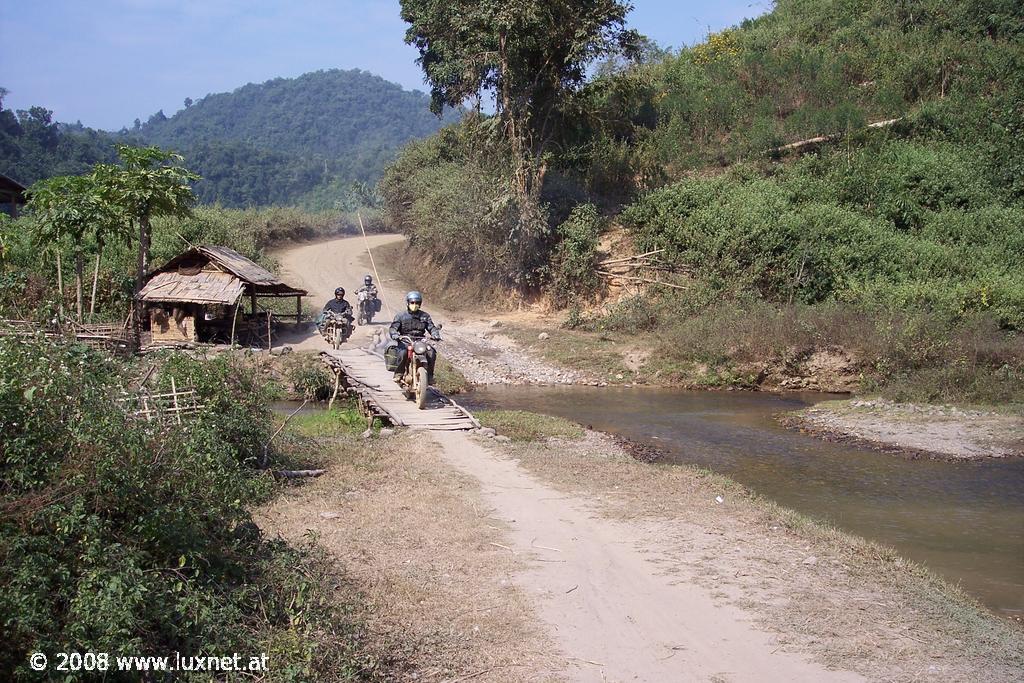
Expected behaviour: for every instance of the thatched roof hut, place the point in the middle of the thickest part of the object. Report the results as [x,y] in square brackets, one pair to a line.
[197,289]
[12,195]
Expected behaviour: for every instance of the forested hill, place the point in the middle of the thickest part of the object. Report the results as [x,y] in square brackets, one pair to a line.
[274,142]
[319,140]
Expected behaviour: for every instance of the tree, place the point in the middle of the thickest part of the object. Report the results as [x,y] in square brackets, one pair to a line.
[72,206]
[529,54]
[150,183]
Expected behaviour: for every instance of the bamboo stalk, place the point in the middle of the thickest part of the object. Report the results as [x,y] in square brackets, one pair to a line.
[630,258]
[641,279]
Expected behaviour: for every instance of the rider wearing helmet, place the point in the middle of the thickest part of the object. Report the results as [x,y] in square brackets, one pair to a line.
[415,323]
[336,305]
[368,286]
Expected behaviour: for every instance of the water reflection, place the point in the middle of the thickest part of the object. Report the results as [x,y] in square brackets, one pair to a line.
[964,520]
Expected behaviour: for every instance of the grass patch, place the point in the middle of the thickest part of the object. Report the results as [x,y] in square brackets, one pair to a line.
[447,378]
[324,423]
[521,425]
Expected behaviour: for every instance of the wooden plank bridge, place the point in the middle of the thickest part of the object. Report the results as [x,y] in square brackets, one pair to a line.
[363,374]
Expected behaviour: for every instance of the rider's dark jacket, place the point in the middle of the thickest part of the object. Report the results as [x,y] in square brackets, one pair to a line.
[341,307]
[415,325]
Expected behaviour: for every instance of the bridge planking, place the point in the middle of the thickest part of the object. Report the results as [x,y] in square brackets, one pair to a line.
[364,374]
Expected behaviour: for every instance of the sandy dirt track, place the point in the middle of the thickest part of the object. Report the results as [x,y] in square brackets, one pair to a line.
[611,612]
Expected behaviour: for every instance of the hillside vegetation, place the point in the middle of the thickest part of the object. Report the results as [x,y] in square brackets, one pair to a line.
[273,142]
[319,141]
[915,229]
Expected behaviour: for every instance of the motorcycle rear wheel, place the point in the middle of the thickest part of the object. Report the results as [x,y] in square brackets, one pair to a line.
[421,387]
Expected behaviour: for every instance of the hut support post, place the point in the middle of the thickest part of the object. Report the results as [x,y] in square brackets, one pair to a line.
[270,340]
[298,310]
[233,321]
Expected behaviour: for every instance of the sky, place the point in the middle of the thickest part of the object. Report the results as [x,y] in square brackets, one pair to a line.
[107,62]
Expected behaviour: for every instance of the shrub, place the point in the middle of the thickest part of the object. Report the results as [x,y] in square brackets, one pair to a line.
[574,264]
[134,537]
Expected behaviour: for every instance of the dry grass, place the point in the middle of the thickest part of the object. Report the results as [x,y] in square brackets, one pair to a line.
[414,538]
[856,605]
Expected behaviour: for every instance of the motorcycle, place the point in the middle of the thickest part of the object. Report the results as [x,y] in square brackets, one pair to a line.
[336,329]
[368,305]
[415,380]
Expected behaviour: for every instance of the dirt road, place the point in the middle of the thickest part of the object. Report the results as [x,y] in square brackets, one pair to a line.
[609,610]
[614,613]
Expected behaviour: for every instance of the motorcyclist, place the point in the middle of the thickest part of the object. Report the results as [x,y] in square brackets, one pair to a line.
[338,306]
[368,287]
[415,323]
[369,307]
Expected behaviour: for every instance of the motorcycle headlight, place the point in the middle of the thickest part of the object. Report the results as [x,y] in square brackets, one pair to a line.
[419,348]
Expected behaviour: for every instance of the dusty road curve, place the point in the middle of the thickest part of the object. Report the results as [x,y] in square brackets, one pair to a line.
[319,267]
[613,614]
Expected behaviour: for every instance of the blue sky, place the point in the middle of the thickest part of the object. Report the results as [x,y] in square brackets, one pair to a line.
[106,62]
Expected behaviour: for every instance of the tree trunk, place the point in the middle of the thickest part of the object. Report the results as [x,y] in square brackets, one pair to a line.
[140,276]
[79,270]
[95,278]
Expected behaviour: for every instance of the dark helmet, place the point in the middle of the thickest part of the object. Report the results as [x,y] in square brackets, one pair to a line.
[340,291]
[414,297]
[367,280]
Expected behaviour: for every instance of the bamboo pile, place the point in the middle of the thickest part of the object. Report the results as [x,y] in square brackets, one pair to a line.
[643,268]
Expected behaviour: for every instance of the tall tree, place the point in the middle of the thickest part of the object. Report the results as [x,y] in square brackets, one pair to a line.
[151,182]
[529,54]
[73,206]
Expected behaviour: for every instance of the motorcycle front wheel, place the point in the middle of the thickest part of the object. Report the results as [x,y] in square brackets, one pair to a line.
[421,387]
[336,338]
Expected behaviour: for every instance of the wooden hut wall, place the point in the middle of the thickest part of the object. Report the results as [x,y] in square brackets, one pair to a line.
[173,323]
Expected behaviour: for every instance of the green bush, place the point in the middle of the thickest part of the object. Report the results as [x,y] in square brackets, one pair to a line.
[574,264]
[128,536]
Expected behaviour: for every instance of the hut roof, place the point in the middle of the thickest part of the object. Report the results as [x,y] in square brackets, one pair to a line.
[201,288]
[212,274]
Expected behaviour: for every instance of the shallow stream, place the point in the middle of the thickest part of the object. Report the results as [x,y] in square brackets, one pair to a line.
[964,520]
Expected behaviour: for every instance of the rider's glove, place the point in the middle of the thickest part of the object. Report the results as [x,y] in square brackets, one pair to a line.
[435,335]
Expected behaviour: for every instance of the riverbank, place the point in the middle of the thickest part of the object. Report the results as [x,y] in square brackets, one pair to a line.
[502,561]
[945,432]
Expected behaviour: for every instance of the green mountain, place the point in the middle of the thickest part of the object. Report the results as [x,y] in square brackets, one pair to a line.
[287,140]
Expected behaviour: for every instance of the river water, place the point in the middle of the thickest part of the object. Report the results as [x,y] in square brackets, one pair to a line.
[963,520]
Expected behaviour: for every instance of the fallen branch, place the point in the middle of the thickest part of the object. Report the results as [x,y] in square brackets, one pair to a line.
[298,474]
[630,258]
[800,144]
[640,279]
